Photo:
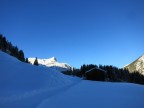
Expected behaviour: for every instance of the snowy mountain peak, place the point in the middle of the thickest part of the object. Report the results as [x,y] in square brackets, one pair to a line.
[137,65]
[141,58]
[52,63]
[52,59]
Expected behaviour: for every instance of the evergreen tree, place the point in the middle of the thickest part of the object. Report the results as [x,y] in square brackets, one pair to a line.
[4,44]
[0,41]
[15,52]
[26,60]
[9,47]
[36,62]
[21,56]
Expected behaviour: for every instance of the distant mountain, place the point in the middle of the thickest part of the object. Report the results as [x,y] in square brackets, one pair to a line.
[137,65]
[51,63]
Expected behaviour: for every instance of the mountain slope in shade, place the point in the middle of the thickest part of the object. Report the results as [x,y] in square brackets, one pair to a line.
[137,65]
[16,75]
[24,86]
[52,63]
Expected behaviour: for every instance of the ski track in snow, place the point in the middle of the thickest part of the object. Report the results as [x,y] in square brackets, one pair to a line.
[34,98]
[24,86]
[91,94]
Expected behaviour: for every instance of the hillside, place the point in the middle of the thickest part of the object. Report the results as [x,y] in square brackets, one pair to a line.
[137,65]
[24,85]
[27,86]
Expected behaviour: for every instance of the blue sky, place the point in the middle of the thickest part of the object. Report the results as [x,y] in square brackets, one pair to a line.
[76,31]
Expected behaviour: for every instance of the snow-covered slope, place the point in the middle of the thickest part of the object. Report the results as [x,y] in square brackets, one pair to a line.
[137,65]
[21,82]
[51,62]
[91,94]
[27,86]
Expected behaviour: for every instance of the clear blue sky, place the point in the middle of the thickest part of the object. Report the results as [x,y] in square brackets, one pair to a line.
[76,31]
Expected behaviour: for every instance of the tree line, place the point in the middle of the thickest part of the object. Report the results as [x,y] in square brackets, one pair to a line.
[110,73]
[12,50]
[7,47]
